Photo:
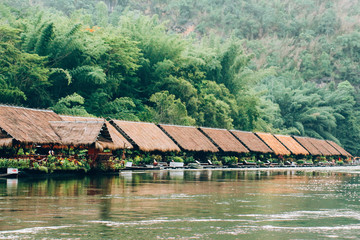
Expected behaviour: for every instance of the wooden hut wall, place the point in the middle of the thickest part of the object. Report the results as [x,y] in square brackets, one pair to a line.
[29,125]
[292,145]
[147,136]
[189,138]
[224,140]
[342,151]
[308,145]
[274,144]
[251,141]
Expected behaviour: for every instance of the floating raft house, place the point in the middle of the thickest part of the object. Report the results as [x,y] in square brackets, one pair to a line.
[25,126]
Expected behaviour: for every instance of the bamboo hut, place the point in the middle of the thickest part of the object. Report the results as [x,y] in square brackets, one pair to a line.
[291,144]
[189,138]
[146,136]
[342,151]
[308,145]
[274,144]
[223,139]
[251,141]
[27,126]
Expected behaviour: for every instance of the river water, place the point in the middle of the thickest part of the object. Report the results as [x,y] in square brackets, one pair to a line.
[184,204]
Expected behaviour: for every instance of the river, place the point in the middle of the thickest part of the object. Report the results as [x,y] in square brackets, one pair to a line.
[309,203]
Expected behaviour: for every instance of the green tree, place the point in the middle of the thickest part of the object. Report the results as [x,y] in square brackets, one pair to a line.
[170,110]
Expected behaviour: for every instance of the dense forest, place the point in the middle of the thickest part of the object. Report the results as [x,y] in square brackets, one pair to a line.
[288,67]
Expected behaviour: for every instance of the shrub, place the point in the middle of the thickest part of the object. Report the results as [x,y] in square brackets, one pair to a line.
[340,163]
[230,160]
[219,163]
[137,160]
[300,162]
[189,160]
[177,159]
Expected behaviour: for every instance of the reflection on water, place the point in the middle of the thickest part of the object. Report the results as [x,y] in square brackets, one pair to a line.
[185,204]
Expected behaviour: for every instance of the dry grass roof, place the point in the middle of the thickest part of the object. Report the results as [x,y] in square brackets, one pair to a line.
[80,119]
[308,145]
[6,142]
[29,125]
[100,133]
[319,144]
[342,151]
[225,140]
[330,149]
[274,144]
[118,140]
[292,145]
[147,136]
[78,133]
[251,141]
[189,138]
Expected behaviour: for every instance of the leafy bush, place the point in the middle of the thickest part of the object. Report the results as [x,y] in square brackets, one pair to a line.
[340,163]
[14,163]
[218,163]
[189,160]
[137,160]
[177,159]
[230,160]
[300,162]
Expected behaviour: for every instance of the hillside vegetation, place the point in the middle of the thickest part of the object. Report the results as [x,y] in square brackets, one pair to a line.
[288,67]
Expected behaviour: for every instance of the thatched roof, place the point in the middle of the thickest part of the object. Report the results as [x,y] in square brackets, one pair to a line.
[308,145]
[5,139]
[292,145]
[78,133]
[147,136]
[118,140]
[331,151]
[251,141]
[6,142]
[29,125]
[274,144]
[319,144]
[80,119]
[86,133]
[342,151]
[224,140]
[189,138]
